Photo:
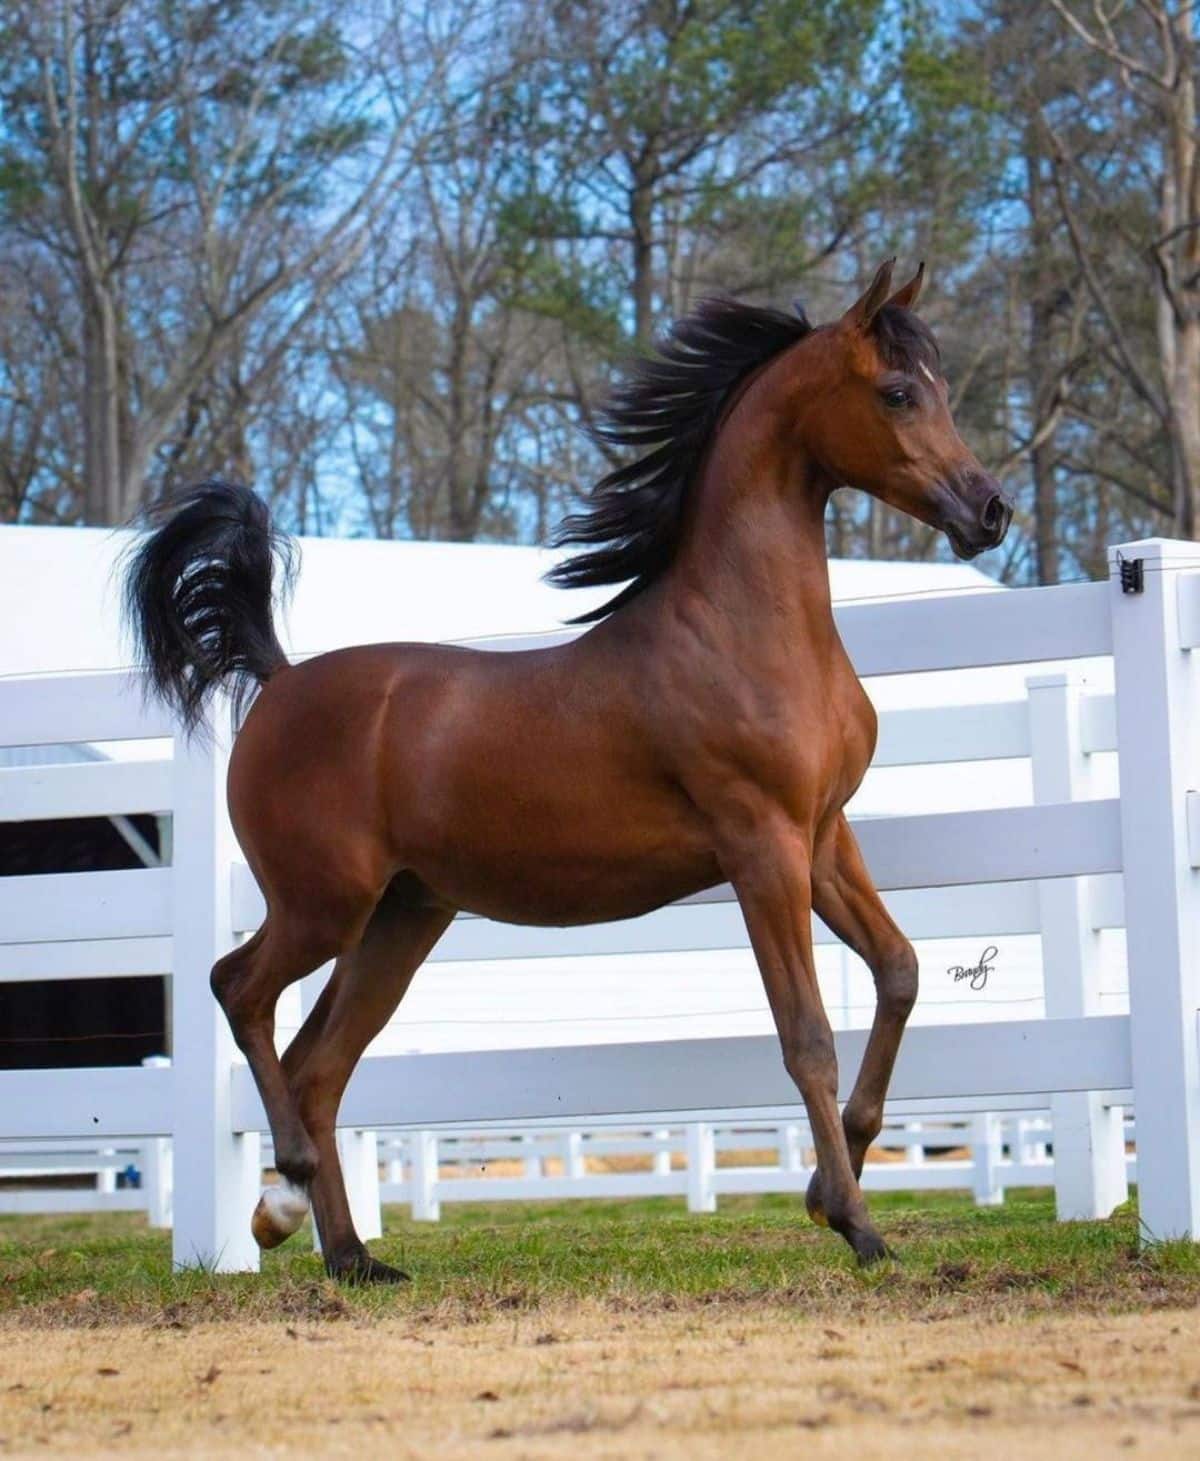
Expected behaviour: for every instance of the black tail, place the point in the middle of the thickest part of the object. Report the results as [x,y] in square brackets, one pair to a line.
[198,596]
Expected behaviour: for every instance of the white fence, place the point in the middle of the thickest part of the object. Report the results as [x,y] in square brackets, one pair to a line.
[989,1153]
[1063,868]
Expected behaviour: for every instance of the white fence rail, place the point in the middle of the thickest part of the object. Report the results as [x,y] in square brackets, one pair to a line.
[1130,862]
[425,1169]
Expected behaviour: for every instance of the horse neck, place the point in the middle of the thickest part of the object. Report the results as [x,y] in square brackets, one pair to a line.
[752,555]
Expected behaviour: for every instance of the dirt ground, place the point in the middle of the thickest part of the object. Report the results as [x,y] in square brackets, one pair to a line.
[589,1382]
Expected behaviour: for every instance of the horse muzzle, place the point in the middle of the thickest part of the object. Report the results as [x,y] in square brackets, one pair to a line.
[977,516]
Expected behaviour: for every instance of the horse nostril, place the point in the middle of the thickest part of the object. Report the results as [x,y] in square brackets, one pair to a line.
[993,512]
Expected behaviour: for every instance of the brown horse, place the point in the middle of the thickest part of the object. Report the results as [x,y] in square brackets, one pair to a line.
[710,727]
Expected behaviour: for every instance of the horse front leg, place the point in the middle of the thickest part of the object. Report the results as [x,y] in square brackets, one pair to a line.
[846,899]
[771,873]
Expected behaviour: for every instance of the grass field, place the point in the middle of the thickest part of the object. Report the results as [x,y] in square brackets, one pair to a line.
[614,1329]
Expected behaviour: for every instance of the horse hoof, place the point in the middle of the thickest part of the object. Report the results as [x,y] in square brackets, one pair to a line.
[280,1211]
[869,1249]
[363,1269]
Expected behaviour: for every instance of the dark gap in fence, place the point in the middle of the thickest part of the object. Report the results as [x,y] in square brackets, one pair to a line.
[62,1023]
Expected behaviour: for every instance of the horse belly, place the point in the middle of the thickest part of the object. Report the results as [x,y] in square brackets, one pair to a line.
[584,892]
[543,853]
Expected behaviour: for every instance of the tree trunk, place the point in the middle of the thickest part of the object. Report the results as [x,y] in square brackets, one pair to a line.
[463,528]
[641,223]
[101,410]
[1179,321]
[1185,427]
[1040,358]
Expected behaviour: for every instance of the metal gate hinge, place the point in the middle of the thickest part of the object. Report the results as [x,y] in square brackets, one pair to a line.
[1133,579]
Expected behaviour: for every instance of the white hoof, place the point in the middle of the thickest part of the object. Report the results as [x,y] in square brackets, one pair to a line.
[280,1211]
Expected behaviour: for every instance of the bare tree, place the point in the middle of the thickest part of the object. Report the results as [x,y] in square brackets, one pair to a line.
[1151,49]
[203,170]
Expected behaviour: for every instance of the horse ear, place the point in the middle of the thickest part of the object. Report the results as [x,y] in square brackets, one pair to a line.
[863,311]
[907,295]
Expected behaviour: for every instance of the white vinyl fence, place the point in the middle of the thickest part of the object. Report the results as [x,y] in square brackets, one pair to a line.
[985,1154]
[1064,868]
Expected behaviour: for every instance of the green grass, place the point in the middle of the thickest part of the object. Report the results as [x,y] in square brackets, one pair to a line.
[953,1257]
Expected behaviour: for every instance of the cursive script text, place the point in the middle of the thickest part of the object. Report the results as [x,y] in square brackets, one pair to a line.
[977,974]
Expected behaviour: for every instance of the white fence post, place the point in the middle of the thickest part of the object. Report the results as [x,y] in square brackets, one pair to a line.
[791,1148]
[701,1162]
[155,1161]
[106,1175]
[1089,1141]
[661,1165]
[217,1171]
[986,1152]
[573,1162]
[359,1153]
[531,1156]
[423,1149]
[1158,726]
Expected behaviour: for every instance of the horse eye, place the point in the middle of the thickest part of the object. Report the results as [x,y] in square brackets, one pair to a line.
[897,398]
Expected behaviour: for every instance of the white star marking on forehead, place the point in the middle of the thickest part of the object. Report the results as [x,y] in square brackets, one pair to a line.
[926,372]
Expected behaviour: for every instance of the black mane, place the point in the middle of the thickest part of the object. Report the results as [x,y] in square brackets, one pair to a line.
[665,409]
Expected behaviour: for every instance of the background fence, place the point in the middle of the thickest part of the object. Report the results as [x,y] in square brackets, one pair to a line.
[1069,865]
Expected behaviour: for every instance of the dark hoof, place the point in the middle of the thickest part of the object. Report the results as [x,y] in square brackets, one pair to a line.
[869,1249]
[361,1268]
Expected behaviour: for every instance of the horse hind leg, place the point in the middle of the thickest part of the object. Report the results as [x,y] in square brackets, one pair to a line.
[367,984]
[247,983]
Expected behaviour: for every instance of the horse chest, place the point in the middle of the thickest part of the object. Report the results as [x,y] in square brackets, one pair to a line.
[808,751]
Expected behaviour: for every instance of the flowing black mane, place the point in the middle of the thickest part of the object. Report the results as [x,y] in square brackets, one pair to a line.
[665,409]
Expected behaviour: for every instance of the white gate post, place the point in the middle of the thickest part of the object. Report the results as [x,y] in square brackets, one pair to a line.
[1158,727]
[1089,1137]
[217,1170]
[701,1162]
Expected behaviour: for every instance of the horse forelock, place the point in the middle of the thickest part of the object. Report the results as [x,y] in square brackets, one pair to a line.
[905,341]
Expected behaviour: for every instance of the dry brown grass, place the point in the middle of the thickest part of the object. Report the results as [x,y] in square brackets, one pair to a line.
[582,1381]
[627,1329]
